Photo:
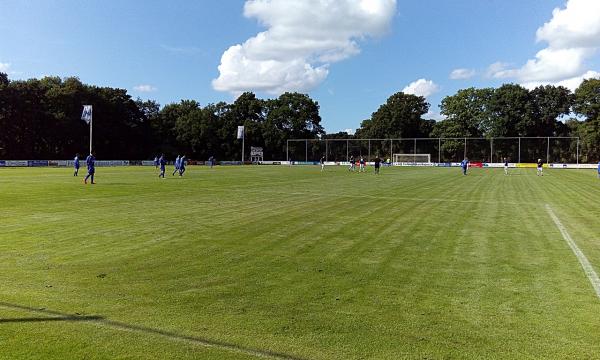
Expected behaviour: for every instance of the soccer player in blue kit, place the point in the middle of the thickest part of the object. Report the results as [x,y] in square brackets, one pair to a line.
[181,165]
[176,165]
[464,165]
[162,163]
[76,165]
[91,165]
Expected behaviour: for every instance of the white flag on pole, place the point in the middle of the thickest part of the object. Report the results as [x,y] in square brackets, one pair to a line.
[87,113]
[240,134]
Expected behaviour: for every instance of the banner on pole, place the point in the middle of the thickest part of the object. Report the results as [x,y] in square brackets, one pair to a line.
[240,133]
[87,113]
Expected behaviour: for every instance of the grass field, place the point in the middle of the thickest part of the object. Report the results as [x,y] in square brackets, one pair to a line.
[279,262]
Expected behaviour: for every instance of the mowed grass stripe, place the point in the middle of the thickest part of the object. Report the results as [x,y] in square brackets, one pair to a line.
[411,263]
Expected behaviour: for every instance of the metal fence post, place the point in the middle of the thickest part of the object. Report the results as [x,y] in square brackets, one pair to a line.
[439,150]
[287,151]
[347,149]
[326,151]
[392,149]
[369,150]
[465,148]
[306,150]
[415,152]
[491,150]
[577,151]
[519,149]
[548,152]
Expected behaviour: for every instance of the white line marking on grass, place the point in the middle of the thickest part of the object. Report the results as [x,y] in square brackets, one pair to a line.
[585,264]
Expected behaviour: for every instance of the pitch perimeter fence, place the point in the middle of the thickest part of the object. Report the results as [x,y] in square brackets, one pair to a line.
[442,150]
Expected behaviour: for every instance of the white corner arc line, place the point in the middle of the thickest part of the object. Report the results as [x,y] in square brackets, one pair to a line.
[585,264]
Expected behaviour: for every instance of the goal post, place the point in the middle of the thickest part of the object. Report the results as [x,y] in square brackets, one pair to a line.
[412,158]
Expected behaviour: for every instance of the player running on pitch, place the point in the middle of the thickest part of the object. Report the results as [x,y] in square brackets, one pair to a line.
[176,165]
[322,162]
[91,166]
[377,164]
[505,166]
[362,164]
[163,164]
[352,164]
[182,165]
[464,165]
[540,168]
[76,165]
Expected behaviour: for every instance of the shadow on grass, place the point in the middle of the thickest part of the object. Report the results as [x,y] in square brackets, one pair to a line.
[100,320]
[48,319]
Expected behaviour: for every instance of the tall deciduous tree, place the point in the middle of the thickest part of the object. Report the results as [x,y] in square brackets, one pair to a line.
[400,116]
[547,104]
[292,115]
[509,109]
[465,112]
[587,104]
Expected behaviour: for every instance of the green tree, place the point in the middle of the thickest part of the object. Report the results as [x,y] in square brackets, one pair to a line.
[547,104]
[399,117]
[249,111]
[465,112]
[587,105]
[587,99]
[509,109]
[291,116]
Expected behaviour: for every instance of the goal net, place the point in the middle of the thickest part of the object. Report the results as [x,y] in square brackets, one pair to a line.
[412,158]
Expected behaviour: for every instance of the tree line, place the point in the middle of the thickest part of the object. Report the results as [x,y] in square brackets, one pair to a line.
[40,118]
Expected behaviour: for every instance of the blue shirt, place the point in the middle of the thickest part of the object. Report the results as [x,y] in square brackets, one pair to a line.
[598,167]
[464,163]
[90,161]
[182,162]
[177,163]
[162,163]
[76,162]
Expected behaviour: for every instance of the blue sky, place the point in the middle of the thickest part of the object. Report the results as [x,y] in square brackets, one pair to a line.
[170,51]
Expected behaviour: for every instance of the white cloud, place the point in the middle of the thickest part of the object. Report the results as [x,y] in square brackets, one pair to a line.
[499,70]
[349,131]
[434,115]
[4,67]
[462,74]
[571,83]
[575,26]
[145,88]
[573,37]
[302,40]
[422,87]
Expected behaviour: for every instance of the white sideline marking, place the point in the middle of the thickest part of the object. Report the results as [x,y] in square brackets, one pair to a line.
[585,264]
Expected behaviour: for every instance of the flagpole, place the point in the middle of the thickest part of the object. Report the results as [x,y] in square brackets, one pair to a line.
[91,122]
